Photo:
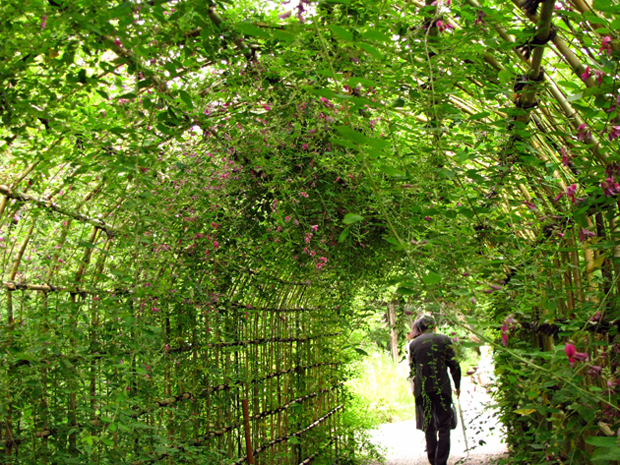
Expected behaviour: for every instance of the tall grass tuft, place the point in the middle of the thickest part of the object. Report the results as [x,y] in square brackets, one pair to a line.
[384,387]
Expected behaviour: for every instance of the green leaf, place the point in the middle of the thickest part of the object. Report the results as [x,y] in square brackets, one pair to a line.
[344,143]
[283,35]
[391,171]
[344,234]
[606,6]
[252,30]
[479,116]
[361,351]
[405,291]
[351,218]
[525,411]
[573,97]
[372,51]
[431,277]
[341,32]
[350,134]
[603,441]
[186,99]
[376,35]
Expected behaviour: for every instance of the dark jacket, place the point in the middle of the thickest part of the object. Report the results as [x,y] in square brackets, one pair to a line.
[431,356]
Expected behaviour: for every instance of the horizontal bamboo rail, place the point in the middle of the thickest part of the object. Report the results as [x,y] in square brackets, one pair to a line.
[51,206]
[292,435]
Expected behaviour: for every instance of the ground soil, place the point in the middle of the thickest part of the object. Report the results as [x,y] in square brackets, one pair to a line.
[404,445]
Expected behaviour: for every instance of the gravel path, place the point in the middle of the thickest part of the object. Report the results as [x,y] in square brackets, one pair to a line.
[405,445]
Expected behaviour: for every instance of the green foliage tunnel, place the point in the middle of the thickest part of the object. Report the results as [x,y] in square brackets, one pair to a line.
[194,194]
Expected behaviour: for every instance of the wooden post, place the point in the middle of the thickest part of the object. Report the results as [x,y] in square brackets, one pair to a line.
[248,437]
[393,330]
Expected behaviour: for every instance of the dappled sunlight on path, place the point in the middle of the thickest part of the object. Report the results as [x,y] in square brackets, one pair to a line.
[405,445]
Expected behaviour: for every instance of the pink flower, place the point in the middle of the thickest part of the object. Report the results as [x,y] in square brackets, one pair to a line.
[314,227]
[154,310]
[473,300]
[43,22]
[583,134]
[606,45]
[530,205]
[311,131]
[326,102]
[216,245]
[427,218]
[286,14]
[610,187]
[304,146]
[443,26]
[565,157]
[599,76]
[570,351]
[614,133]
[586,74]
[480,18]
[117,42]
[265,106]
[584,233]
[303,194]
[581,357]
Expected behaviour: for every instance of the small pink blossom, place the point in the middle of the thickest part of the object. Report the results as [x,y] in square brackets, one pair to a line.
[480,18]
[566,158]
[584,234]
[43,22]
[599,76]
[314,227]
[570,351]
[303,194]
[326,102]
[583,133]
[606,45]
[117,42]
[586,74]
[581,357]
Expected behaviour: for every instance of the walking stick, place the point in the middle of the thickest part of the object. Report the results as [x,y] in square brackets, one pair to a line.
[458,405]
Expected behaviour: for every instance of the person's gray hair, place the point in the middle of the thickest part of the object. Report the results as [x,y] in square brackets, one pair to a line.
[425,322]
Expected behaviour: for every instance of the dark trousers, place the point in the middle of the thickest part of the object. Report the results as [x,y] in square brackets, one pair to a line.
[437,418]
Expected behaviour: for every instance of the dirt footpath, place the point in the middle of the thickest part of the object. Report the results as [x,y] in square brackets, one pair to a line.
[404,445]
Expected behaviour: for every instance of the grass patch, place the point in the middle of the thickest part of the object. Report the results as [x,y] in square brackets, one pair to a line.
[384,387]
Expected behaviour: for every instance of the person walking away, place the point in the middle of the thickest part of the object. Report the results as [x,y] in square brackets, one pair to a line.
[415,332]
[431,356]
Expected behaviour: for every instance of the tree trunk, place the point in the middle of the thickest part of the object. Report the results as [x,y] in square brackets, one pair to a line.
[393,331]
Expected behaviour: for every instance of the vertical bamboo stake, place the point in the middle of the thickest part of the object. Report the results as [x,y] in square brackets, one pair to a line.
[615,236]
[248,437]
